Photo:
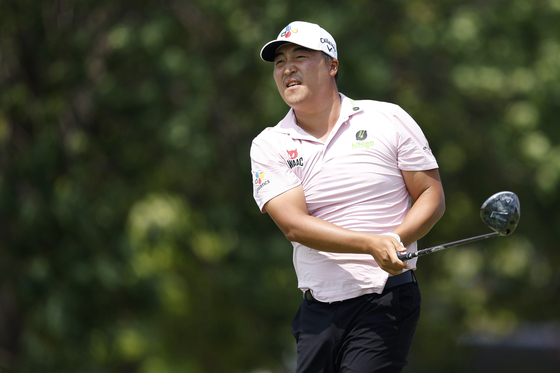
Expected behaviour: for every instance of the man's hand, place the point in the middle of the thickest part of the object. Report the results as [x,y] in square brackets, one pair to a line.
[384,251]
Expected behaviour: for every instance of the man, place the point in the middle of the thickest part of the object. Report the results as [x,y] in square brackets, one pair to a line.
[337,176]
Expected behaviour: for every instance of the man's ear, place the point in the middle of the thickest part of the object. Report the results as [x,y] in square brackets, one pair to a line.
[334,67]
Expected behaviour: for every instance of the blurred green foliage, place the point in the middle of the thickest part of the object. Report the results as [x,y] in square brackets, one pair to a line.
[130,241]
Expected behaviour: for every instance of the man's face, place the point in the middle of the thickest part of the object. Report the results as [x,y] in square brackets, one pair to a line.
[301,74]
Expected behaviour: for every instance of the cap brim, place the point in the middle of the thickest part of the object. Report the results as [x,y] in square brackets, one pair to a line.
[268,52]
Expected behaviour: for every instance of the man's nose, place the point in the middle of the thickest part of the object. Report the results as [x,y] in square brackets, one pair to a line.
[289,69]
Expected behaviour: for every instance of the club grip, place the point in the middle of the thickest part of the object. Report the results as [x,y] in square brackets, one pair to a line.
[404,256]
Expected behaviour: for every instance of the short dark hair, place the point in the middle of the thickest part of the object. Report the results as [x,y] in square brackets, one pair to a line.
[328,59]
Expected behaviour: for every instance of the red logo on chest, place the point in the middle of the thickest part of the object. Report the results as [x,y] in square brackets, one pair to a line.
[292,153]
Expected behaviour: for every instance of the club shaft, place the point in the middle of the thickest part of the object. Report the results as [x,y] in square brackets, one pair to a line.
[408,256]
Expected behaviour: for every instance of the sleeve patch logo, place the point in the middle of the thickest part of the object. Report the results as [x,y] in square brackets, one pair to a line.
[259,178]
[259,181]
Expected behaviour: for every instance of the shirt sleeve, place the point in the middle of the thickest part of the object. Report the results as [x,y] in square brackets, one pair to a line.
[414,153]
[271,174]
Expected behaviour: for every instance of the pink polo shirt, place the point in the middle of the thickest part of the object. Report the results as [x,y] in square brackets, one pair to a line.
[353,180]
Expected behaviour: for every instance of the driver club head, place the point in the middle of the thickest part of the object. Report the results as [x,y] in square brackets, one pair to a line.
[501,212]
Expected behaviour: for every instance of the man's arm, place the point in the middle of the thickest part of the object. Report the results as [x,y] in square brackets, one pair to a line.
[289,212]
[429,204]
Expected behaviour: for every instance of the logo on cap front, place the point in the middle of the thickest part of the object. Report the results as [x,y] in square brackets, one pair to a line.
[288,32]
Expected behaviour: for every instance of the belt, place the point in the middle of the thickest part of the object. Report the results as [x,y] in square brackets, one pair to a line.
[403,278]
[392,281]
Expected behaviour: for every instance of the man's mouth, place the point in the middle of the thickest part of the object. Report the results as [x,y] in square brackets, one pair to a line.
[292,83]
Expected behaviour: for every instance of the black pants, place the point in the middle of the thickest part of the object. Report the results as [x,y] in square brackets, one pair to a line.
[371,333]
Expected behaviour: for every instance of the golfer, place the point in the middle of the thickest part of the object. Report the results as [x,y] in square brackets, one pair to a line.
[349,183]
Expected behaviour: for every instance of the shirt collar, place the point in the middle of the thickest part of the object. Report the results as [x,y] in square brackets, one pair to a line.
[289,126]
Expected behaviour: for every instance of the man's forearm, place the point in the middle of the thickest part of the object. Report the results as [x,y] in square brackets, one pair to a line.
[289,212]
[324,236]
[321,235]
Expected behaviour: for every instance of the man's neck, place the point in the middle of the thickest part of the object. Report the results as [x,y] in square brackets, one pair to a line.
[320,120]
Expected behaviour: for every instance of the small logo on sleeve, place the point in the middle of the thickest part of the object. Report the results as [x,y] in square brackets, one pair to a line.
[259,181]
[259,177]
[294,161]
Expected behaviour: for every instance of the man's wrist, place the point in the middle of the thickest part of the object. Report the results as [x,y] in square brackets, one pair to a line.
[395,236]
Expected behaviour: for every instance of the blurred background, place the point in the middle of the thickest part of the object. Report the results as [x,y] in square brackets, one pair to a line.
[129,238]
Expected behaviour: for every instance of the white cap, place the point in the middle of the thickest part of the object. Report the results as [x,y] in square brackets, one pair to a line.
[308,35]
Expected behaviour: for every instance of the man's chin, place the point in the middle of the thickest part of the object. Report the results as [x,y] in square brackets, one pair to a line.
[293,99]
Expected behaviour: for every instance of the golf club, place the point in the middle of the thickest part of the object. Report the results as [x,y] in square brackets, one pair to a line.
[500,212]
